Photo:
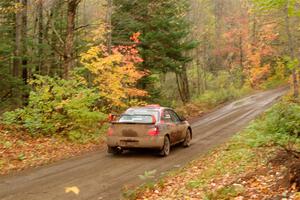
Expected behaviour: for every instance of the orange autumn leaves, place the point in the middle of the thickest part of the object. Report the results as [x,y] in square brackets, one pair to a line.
[115,75]
[250,49]
[257,67]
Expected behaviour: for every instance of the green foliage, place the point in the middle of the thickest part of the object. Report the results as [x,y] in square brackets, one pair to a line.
[241,155]
[21,156]
[280,125]
[222,95]
[267,5]
[149,184]
[130,194]
[225,193]
[148,175]
[9,85]
[57,106]
[220,81]
[270,4]
[279,74]
[231,160]
[164,34]
[291,63]
[221,88]
[163,28]
[7,144]
[274,82]
[11,91]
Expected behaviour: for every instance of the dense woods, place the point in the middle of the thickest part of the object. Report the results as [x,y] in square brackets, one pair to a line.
[78,60]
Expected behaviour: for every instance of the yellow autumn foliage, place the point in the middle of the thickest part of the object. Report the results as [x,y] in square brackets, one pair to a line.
[256,68]
[113,74]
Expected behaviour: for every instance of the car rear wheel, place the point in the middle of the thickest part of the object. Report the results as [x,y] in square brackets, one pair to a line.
[114,150]
[166,148]
[188,138]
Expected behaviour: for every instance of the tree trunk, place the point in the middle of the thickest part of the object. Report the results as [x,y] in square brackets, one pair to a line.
[205,62]
[18,42]
[69,40]
[199,77]
[179,87]
[254,27]
[241,44]
[51,63]
[291,49]
[24,42]
[186,84]
[40,67]
[218,12]
[108,24]
[183,85]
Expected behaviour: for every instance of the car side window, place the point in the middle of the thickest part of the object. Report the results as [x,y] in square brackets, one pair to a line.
[174,116]
[167,116]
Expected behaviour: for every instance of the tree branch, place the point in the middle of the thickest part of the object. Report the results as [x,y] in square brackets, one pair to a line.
[56,33]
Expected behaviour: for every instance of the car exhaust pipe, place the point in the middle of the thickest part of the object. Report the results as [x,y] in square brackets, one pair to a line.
[119,149]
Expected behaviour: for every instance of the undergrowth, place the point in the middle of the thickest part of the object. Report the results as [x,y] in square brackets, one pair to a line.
[57,107]
[278,127]
[211,99]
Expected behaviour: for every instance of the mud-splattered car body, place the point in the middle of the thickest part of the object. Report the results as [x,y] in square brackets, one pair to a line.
[148,127]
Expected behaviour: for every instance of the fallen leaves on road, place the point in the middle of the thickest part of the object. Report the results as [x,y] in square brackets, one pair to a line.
[73,189]
[19,151]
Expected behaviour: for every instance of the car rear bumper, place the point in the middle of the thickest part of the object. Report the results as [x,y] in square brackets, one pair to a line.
[156,142]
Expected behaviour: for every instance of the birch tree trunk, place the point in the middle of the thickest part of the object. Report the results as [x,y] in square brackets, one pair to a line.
[109,25]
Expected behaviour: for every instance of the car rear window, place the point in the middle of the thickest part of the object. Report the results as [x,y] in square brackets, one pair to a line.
[139,115]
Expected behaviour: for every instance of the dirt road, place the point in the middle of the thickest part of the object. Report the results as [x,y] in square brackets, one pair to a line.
[102,176]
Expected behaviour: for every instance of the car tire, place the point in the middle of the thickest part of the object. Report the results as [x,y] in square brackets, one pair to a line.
[114,150]
[188,138]
[166,148]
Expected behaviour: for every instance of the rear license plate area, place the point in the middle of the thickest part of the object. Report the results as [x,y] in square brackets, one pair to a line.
[129,133]
[129,142]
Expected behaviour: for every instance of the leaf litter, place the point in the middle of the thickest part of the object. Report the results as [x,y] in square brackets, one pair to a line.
[19,151]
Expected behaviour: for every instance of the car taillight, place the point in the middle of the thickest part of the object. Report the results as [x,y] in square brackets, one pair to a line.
[110,131]
[154,131]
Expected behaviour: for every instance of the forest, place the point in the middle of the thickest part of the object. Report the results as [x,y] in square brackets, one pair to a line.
[129,52]
[65,65]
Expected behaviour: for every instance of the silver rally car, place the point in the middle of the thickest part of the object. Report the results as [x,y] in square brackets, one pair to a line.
[151,126]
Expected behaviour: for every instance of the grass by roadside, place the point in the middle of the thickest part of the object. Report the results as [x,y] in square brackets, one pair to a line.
[212,99]
[262,162]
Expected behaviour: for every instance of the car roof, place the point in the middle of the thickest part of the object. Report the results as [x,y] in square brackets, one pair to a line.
[150,107]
